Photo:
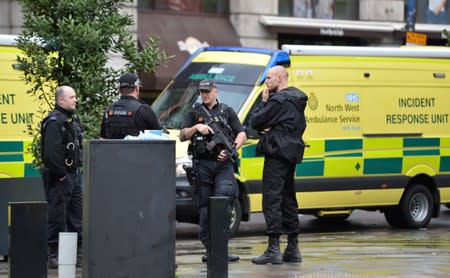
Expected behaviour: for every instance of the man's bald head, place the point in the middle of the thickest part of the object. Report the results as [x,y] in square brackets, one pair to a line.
[279,71]
[66,97]
[277,78]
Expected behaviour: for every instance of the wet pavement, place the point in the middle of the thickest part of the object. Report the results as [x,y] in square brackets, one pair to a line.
[351,249]
[420,253]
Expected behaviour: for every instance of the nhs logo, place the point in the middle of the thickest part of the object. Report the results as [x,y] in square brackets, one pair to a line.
[352,97]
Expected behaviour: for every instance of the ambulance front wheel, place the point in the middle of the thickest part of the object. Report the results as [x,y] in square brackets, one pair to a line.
[414,210]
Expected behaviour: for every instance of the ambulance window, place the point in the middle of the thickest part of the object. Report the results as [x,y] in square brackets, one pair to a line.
[251,132]
[234,81]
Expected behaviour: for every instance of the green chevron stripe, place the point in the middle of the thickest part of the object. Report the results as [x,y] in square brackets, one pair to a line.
[309,169]
[445,164]
[421,152]
[11,146]
[249,151]
[357,154]
[343,145]
[11,157]
[383,165]
[31,170]
[421,142]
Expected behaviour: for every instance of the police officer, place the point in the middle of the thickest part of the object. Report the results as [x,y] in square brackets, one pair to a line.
[128,115]
[216,170]
[280,117]
[61,147]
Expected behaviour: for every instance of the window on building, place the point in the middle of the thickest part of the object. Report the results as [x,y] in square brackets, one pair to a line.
[433,12]
[324,9]
[187,6]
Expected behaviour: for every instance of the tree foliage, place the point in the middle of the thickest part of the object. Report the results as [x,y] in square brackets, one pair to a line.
[68,42]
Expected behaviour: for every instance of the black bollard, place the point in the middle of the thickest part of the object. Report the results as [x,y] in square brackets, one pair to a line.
[218,233]
[28,240]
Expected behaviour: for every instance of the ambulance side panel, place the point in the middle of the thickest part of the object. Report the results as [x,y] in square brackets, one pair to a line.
[19,180]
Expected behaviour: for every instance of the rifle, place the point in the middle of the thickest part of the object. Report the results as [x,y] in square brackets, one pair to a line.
[220,138]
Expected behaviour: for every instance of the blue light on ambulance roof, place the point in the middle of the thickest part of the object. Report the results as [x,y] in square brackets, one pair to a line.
[280,57]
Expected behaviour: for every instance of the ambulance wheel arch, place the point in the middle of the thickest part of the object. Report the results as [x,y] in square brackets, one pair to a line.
[415,209]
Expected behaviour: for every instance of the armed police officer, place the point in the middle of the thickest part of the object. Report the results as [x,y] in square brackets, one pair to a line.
[281,119]
[61,146]
[214,155]
[128,115]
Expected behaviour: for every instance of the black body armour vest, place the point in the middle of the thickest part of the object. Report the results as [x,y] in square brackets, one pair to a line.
[72,135]
[197,148]
[119,119]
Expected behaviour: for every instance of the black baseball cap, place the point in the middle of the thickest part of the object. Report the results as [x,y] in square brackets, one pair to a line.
[206,85]
[129,80]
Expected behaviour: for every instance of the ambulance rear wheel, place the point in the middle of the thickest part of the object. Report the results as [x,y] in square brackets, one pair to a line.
[236,217]
[415,209]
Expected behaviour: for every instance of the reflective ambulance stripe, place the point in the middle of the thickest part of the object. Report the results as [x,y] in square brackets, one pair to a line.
[421,142]
[421,152]
[310,168]
[11,157]
[343,145]
[11,146]
[249,151]
[444,164]
[383,165]
[30,170]
[369,156]
[16,159]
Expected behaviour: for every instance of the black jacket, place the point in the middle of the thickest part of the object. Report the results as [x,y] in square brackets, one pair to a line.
[60,128]
[284,115]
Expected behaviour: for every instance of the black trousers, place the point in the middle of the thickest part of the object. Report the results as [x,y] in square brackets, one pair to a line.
[65,200]
[216,179]
[280,206]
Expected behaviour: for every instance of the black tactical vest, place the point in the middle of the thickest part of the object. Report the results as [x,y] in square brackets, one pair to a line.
[72,135]
[119,119]
[197,148]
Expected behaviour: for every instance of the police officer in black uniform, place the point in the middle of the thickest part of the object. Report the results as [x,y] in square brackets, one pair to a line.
[128,115]
[281,118]
[61,147]
[216,170]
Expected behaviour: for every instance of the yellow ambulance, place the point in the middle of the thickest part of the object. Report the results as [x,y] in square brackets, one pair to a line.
[17,110]
[19,180]
[378,134]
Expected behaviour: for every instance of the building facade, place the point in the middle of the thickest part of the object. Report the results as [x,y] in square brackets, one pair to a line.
[183,26]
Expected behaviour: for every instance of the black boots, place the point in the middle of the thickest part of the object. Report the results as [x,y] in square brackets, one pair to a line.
[272,254]
[292,253]
[52,261]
